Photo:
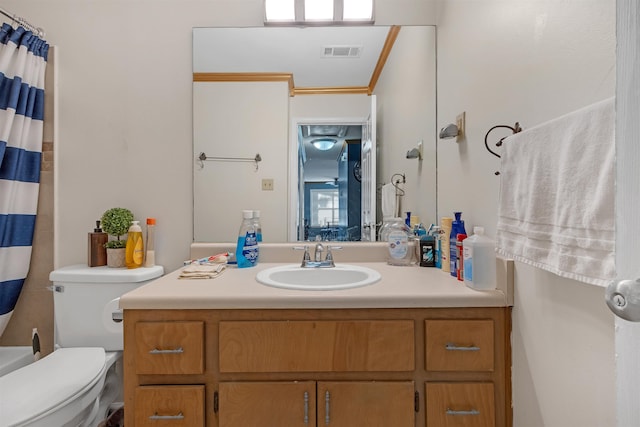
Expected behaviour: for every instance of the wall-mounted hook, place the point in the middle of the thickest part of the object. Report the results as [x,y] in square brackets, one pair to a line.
[515,129]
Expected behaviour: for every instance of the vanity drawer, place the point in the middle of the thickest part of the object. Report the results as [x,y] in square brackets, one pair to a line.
[460,405]
[170,405]
[317,346]
[459,345]
[171,348]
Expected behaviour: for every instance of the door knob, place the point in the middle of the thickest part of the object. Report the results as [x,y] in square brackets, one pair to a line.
[623,298]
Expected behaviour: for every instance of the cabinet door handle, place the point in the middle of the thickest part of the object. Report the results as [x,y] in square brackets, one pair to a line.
[306,408]
[471,412]
[169,351]
[452,347]
[327,406]
[167,417]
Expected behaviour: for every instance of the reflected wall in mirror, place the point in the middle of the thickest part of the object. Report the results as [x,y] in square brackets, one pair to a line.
[254,94]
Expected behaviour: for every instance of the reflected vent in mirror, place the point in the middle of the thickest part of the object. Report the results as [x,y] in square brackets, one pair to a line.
[342,51]
[324,130]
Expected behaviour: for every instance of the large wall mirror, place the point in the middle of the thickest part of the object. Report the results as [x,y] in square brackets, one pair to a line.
[307,125]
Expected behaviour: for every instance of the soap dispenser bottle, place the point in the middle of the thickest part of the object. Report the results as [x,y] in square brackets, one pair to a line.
[134,253]
[97,256]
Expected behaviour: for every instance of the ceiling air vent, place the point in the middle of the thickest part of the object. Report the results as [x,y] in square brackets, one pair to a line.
[342,51]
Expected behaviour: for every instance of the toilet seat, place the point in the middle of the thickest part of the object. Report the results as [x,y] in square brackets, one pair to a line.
[55,389]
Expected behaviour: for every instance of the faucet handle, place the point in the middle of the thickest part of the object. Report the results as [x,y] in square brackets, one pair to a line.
[306,257]
[329,256]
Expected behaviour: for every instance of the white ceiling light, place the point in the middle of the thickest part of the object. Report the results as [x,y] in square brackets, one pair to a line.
[287,12]
[279,10]
[318,10]
[357,10]
[324,144]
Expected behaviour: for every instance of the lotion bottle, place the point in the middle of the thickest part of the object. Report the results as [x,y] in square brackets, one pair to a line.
[445,250]
[134,253]
[150,255]
[457,227]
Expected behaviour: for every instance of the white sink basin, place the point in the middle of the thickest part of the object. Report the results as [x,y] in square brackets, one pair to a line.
[342,276]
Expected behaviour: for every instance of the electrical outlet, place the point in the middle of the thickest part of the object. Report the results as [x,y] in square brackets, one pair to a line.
[460,119]
[267,184]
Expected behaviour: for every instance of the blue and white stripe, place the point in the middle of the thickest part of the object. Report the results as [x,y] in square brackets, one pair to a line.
[23,59]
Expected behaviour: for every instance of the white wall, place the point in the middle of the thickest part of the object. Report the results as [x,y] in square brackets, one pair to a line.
[253,118]
[530,61]
[406,100]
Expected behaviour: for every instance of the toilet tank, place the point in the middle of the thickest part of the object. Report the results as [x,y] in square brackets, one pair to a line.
[85,298]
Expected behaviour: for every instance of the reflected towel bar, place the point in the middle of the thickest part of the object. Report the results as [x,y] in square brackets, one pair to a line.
[202,157]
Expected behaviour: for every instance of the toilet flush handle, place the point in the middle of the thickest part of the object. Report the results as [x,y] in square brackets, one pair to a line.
[117,316]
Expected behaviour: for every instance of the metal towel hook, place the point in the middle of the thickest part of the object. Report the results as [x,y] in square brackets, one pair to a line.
[514,129]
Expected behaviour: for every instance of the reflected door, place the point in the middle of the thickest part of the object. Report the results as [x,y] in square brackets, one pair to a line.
[368,175]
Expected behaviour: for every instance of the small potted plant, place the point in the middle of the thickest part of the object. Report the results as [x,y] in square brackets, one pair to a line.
[115,222]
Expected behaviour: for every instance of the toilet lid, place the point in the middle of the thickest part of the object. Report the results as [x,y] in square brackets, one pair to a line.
[44,385]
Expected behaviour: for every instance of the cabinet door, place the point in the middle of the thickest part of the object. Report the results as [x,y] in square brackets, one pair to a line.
[169,405]
[366,404]
[460,405]
[259,404]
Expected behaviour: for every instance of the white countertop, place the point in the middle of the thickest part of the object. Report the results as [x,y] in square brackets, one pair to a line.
[400,287]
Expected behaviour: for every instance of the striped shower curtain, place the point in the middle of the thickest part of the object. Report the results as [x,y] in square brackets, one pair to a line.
[23,58]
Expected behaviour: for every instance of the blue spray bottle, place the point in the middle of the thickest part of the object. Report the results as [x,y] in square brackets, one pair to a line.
[457,227]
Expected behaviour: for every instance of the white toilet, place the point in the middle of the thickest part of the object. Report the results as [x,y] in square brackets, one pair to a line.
[77,383]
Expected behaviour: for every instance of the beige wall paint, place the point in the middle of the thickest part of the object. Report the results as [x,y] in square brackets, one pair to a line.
[125,121]
[252,119]
[530,61]
[407,114]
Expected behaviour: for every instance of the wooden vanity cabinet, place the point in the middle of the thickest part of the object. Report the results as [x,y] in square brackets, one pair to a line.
[424,367]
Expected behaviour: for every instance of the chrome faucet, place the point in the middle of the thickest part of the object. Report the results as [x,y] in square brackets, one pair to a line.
[317,262]
[317,257]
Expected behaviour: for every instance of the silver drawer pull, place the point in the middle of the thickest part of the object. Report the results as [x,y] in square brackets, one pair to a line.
[306,408]
[171,351]
[471,412]
[167,417]
[327,406]
[453,347]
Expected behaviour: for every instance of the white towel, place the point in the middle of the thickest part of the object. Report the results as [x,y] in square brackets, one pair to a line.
[202,271]
[557,195]
[388,200]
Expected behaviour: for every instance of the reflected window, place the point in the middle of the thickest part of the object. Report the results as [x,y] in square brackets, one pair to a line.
[324,207]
